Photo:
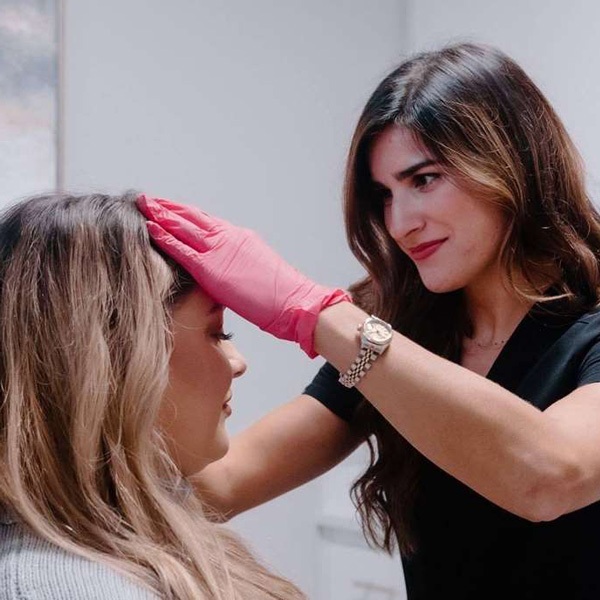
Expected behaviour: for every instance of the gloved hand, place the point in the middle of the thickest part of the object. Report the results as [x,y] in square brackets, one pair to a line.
[237,269]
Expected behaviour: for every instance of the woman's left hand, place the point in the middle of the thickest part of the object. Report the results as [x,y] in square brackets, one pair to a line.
[237,269]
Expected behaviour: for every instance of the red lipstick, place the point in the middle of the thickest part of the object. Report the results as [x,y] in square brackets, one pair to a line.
[425,250]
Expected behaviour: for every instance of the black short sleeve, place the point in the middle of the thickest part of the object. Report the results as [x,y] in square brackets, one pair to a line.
[326,388]
[589,371]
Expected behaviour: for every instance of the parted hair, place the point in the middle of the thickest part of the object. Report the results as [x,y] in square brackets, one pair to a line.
[85,341]
[478,114]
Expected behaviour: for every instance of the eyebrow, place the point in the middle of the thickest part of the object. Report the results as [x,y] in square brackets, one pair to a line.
[401,175]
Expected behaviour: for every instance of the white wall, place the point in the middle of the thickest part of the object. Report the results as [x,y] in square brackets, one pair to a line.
[245,109]
[556,42]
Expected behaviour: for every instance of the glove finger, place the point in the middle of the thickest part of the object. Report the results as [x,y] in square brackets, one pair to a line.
[182,254]
[147,205]
[178,226]
[194,215]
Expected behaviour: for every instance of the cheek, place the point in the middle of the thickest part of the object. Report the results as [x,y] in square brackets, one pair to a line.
[387,212]
[491,237]
[219,372]
[485,232]
[199,381]
[191,414]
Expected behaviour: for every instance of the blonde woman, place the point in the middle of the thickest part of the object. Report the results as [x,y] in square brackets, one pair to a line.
[116,381]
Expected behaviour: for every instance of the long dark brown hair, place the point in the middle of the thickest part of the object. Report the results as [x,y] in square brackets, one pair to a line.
[477,113]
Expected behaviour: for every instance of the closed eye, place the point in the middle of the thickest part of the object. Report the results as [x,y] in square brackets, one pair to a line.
[224,337]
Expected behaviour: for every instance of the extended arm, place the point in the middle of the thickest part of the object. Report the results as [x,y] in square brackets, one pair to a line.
[536,464]
[290,446]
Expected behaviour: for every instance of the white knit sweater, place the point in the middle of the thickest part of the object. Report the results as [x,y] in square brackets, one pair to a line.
[33,569]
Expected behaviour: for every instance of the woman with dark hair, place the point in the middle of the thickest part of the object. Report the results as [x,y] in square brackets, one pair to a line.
[465,202]
[116,383]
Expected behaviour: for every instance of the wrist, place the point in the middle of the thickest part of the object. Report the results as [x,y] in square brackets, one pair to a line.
[335,333]
[375,338]
[307,325]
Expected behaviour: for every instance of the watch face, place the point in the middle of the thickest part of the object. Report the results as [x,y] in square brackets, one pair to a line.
[376,331]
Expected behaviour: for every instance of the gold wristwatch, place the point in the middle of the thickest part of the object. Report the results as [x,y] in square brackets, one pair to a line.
[375,338]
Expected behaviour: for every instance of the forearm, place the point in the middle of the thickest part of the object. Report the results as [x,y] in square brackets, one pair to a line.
[288,447]
[485,436]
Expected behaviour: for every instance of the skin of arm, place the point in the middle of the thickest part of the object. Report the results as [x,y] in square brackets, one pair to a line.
[288,447]
[537,465]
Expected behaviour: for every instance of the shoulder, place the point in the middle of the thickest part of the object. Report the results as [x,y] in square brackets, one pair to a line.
[591,317]
[581,332]
[33,569]
[554,353]
[584,333]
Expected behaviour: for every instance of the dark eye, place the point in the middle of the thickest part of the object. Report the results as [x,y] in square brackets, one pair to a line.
[422,180]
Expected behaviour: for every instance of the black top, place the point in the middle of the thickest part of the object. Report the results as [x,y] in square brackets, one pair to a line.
[469,548]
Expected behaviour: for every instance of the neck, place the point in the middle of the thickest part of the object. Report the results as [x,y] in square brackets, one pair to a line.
[495,312]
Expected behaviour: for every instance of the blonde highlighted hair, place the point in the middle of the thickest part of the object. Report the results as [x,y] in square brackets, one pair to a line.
[84,349]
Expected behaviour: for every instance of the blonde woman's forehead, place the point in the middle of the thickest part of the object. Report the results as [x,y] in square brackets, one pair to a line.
[200,304]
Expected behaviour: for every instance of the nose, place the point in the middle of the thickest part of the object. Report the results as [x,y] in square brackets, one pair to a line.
[236,360]
[403,216]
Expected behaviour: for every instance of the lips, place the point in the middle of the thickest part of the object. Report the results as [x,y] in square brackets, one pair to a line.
[423,251]
[226,408]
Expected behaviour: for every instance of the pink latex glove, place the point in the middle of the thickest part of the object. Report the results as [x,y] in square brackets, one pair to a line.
[237,269]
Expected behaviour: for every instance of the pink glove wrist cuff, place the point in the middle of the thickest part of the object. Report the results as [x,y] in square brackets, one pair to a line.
[305,329]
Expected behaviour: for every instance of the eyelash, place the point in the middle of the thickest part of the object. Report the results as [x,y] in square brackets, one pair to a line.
[224,337]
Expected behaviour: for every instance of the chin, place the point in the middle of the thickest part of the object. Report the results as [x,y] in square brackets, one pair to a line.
[442,287]
[221,447]
[201,460]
